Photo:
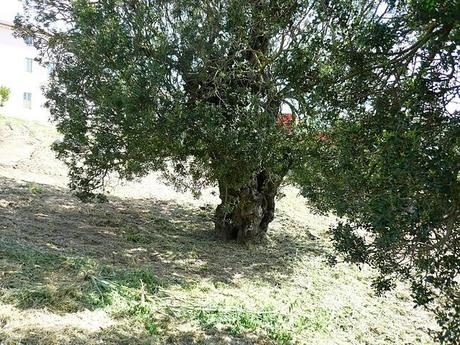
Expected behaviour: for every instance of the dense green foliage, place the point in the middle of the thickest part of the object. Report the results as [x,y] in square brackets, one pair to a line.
[194,88]
[389,157]
[138,82]
[4,95]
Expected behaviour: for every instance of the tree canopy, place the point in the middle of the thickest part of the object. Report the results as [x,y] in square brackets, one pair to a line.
[195,88]
[390,156]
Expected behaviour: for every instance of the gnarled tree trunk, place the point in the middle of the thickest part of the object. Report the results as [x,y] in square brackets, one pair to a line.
[245,213]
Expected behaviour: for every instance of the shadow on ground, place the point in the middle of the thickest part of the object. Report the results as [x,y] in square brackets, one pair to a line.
[152,272]
[65,256]
[114,336]
[175,242]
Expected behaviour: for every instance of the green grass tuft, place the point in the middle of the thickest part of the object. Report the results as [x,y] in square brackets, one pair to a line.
[239,320]
[35,188]
[69,284]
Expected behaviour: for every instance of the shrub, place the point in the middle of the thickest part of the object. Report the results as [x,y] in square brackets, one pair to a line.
[4,95]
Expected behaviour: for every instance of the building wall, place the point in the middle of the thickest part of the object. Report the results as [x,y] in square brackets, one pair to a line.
[14,75]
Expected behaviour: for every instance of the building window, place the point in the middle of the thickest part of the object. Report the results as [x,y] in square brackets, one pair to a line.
[28,100]
[29,65]
[29,40]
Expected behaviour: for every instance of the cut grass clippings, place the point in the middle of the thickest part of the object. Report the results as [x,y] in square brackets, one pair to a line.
[148,271]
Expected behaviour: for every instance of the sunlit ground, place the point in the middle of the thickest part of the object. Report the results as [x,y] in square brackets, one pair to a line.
[145,268]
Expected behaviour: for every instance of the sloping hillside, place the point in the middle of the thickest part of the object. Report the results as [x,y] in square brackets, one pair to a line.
[145,268]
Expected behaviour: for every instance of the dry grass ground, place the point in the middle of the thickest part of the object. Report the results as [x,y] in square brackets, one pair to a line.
[147,269]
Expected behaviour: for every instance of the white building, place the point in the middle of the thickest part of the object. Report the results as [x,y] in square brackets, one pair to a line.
[22,75]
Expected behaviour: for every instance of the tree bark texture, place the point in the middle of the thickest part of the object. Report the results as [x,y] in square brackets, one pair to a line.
[244,214]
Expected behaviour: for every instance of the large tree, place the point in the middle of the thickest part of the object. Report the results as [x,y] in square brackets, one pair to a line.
[194,89]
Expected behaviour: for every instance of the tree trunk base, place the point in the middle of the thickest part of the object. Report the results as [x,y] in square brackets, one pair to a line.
[244,214]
